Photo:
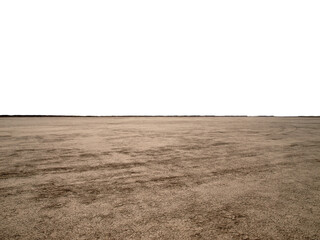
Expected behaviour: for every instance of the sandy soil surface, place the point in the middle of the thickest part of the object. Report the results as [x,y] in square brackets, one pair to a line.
[160,178]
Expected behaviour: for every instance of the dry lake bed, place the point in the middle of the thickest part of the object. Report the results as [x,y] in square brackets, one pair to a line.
[159,178]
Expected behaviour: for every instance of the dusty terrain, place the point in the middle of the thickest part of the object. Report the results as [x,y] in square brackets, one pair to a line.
[160,178]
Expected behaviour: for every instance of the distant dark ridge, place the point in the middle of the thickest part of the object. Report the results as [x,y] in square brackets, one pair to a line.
[4,116]
[44,116]
[123,116]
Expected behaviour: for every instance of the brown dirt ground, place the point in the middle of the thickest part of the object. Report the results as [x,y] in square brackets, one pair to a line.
[160,178]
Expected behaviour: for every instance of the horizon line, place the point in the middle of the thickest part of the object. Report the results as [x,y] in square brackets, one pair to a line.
[185,115]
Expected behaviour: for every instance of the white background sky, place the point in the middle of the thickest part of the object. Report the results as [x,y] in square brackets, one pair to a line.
[160,57]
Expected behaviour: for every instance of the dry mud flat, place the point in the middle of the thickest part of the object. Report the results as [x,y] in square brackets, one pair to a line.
[160,178]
